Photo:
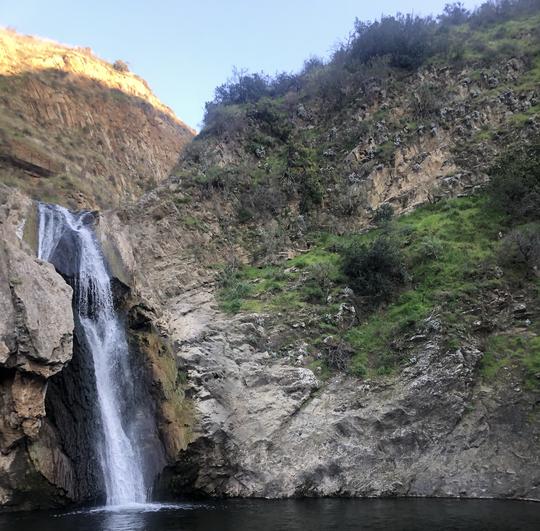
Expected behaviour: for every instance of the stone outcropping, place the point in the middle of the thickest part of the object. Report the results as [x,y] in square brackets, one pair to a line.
[36,336]
[266,428]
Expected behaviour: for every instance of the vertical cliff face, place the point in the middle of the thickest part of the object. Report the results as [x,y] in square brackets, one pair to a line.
[75,130]
[36,335]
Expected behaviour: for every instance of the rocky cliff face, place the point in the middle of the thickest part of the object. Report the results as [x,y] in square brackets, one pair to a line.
[75,130]
[246,403]
[267,421]
[266,425]
[267,428]
[36,341]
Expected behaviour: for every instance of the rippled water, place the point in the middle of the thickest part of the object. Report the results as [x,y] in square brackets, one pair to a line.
[285,515]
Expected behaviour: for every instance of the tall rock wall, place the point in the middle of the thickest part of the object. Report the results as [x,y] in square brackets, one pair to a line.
[264,424]
[36,342]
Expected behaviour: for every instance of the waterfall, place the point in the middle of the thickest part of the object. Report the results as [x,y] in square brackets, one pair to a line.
[104,334]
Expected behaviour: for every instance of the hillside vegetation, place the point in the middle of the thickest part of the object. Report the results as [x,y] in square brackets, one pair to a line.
[313,178]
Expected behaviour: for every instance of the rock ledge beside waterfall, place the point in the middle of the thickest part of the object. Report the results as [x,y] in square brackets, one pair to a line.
[36,341]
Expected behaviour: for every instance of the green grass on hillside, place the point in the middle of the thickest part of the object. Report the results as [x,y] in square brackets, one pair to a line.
[509,351]
[450,253]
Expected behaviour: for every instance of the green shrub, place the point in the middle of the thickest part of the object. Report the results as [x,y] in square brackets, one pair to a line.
[302,176]
[244,214]
[426,101]
[194,151]
[515,182]
[311,191]
[242,88]
[406,40]
[221,119]
[270,240]
[521,249]
[260,201]
[331,83]
[383,214]
[386,152]
[496,11]
[429,248]
[232,289]
[120,66]
[272,117]
[453,15]
[318,283]
[375,270]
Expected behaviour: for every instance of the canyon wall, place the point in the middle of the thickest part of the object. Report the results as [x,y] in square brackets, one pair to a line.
[77,131]
[245,403]
[36,341]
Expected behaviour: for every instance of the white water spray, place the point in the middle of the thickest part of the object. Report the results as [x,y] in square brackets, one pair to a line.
[120,462]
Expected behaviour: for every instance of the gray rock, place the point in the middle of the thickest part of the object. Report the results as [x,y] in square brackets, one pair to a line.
[36,341]
[268,429]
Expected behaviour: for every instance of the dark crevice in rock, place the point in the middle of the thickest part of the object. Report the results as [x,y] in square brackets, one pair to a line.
[71,406]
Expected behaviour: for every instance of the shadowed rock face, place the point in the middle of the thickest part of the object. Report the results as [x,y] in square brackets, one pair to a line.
[70,407]
[36,338]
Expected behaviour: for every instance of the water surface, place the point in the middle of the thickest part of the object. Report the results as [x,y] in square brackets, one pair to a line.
[287,515]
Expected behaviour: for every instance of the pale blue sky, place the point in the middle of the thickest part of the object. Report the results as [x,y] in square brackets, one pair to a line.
[184,49]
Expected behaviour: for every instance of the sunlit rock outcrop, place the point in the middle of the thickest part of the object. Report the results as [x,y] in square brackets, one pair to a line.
[75,130]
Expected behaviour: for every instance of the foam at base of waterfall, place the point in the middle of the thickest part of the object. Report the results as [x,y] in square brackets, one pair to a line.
[145,507]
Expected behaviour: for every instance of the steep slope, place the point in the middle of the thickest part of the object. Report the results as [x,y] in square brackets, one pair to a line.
[76,130]
[309,389]
[276,372]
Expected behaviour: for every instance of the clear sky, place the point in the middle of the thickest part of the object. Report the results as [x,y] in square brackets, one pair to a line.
[185,48]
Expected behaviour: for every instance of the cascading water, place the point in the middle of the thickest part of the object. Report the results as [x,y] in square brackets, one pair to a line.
[120,460]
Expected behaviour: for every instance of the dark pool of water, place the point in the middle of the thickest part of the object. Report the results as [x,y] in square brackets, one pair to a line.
[285,515]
